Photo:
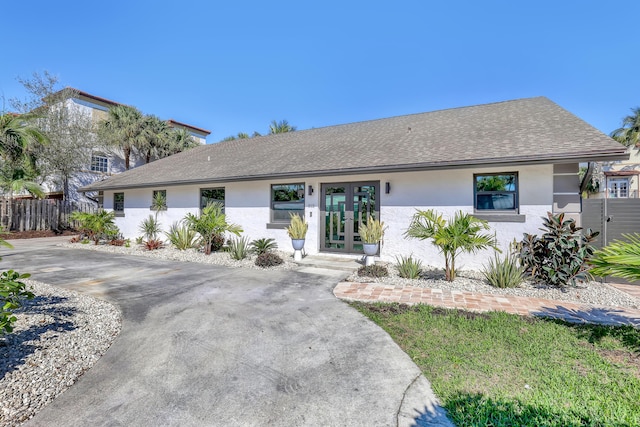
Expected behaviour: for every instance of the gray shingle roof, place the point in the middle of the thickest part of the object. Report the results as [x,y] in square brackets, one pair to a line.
[521,131]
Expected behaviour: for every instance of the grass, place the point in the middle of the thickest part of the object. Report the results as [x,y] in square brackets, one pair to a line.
[499,369]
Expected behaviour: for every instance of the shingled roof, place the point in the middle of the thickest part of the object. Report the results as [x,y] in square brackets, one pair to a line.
[524,131]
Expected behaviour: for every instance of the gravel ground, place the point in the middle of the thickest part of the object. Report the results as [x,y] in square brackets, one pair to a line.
[58,335]
[189,255]
[595,293]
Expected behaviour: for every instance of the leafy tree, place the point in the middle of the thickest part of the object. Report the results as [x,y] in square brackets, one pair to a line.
[211,223]
[123,129]
[69,131]
[462,233]
[282,126]
[629,133]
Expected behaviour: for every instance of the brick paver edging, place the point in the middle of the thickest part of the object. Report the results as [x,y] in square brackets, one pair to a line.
[570,311]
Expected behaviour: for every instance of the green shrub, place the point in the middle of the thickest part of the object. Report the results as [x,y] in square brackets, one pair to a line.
[239,248]
[181,236]
[559,257]
[408,268]
[619,258]
[12,291]
[375,270]
[503,272]
[96,226]
[268,259]
[264,245]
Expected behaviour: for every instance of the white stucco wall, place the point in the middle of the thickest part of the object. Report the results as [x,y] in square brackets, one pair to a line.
[447,191]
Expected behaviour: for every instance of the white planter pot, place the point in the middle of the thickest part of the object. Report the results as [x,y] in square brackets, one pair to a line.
[370,249]
[297,244]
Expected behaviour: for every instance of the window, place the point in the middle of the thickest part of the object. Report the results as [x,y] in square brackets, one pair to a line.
[159,197]
[618,188]
[211,195]
[286,199]
[118,202]
[496,192]
[99,164]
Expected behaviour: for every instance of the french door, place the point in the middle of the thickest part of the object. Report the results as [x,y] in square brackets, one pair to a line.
[344,207]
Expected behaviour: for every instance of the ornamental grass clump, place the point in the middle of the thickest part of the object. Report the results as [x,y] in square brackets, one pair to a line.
[408,267]
[559,257]
[297,228]
[372,231]
[621,258]
[503,272]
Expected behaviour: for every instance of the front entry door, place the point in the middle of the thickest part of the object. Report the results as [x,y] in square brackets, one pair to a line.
[345,206]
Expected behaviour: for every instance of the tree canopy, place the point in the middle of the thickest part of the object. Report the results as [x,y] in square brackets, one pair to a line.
[629,133]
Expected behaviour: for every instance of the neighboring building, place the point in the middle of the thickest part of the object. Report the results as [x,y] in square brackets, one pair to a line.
[104,162]
[618,180]
[529,149]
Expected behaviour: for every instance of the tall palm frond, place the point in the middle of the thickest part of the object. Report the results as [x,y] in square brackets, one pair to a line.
[629,133]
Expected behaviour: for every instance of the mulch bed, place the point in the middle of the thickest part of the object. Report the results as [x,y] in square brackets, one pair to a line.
[14,235]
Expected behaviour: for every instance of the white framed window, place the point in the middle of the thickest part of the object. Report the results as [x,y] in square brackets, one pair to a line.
[618,188]
[99,164]
[497,192]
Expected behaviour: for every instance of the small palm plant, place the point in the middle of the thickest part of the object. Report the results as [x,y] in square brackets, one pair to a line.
[461,233]
[211,223]
[263,246]
[619,258]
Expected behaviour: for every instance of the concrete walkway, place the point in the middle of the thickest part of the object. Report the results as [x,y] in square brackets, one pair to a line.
[204,345]
[573,312]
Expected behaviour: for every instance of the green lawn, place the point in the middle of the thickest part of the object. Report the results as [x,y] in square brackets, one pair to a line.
[499,369]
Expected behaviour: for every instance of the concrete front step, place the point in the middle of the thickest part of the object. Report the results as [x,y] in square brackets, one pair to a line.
[331,263]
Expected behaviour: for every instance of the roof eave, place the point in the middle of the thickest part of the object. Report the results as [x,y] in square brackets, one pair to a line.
[490,162]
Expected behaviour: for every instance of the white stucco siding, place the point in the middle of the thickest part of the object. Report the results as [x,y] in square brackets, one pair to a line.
[447,191]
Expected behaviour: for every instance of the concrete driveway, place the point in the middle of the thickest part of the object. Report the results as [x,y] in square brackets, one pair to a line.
[211,346]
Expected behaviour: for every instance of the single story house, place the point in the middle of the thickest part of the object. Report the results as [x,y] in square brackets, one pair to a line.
[336,176]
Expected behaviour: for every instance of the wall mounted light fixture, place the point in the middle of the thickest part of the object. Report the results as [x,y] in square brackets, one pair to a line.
[387,187]
[311,190]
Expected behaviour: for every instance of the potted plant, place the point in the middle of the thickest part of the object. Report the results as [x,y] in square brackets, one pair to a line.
[297,230]
[371,233]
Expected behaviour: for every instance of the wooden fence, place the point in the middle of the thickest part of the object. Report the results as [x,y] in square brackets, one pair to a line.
[48,214]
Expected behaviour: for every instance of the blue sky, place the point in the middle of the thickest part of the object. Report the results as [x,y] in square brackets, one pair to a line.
[236,65]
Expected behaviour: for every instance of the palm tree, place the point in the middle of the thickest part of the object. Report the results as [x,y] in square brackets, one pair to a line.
[210,223]
[462,233]
[179,140]
[629,133]
[154,138]
[282,126]
[18,143]
[123,128]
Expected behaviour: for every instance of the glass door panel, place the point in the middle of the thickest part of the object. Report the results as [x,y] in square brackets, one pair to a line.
[346,207]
